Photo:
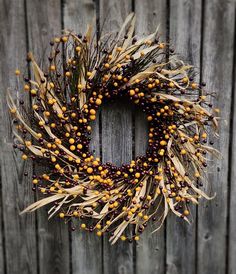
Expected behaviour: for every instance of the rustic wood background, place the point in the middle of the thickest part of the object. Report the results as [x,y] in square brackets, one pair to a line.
[203,31]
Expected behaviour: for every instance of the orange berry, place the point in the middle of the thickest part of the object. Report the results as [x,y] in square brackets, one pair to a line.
[98,101]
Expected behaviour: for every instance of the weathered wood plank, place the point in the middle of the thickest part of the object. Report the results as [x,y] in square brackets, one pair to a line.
[116,138]
[150,251]
[44,22]
[185,37]
[19,231]
[151,14]
[232,202]
[86,247]
[2,246]
[117,148]
[78,14]
[217,65]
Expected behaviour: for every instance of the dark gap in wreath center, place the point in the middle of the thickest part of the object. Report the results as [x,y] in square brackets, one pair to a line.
[123,133]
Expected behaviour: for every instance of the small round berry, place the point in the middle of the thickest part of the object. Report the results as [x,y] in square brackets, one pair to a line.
[62,215]
[17,72]
[89,170]
[98,101]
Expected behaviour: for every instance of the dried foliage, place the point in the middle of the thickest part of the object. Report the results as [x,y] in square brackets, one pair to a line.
[83,72]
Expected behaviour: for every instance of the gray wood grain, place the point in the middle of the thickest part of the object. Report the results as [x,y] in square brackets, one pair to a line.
[185,37]
[151,14]
[150,251]
[217,65]
[117,148]
[232,202]
[86,247]
[44,23]
[116,139]
[19,231]
[2,246]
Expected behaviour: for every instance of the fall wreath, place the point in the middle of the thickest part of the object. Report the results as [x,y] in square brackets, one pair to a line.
[85,71]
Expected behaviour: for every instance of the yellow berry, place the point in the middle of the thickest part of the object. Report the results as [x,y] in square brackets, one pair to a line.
[52,86]
[89,170]
[194,85]
[72,147]
[52,68]
[33,91]
[79,146]
[45,177]
[98,101]
[185,80]
[17,72]
[177,199]
[163,143]
[24,157]
[75,213]
[92,111]
[98,226]
[64,39]
[41,123]
[162,45]
[99,233]
[92,117]
[123,238]
[61,215]
[136,238]
[13,110]
[137,175]
[58,141]
[71,141]
[131,92]
[26,87]
[145,217]
[186,212]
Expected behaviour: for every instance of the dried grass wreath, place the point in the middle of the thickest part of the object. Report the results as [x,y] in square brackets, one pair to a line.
[83,72]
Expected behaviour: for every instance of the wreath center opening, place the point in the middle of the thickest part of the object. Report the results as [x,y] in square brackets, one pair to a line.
[119,133]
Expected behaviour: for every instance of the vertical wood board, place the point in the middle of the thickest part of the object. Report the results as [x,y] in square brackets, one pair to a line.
[151,247]
[19,231]
[86,246]
[217,67]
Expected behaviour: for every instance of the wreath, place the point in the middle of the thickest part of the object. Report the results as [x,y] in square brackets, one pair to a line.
[85,71]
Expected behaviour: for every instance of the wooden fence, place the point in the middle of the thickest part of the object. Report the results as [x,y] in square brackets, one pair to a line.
[203,31]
